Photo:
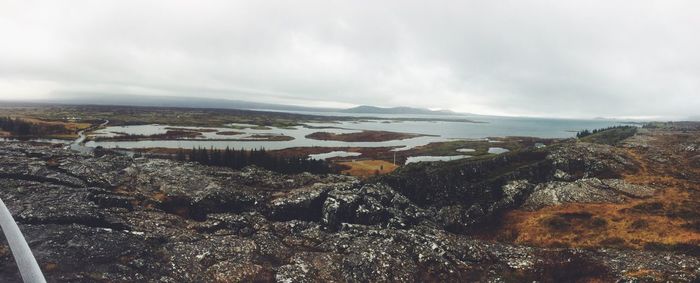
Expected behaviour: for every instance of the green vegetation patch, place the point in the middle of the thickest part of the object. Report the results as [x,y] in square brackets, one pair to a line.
[23,128]
[609,136]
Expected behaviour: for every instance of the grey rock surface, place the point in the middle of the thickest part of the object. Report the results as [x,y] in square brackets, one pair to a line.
[117,219]
[589,190]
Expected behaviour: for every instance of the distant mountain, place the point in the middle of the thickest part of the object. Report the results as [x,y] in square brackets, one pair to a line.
[365,109]
[196,102]
[176,101]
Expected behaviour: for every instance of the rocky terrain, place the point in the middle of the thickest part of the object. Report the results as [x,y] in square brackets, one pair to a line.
[553,214]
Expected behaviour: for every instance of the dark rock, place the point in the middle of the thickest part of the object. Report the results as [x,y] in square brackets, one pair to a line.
[146,220]
[370,204]
[305,203]
[587,160]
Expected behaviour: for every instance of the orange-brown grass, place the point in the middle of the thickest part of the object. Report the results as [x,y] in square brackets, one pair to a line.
[670,217]
[159,196]
[645,273]
[50,267]
[366,168]
[628,225]
[72,126]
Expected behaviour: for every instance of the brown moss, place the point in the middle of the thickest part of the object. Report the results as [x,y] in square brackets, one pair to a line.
[649,208]
[614,242]
[645,273]
[5,250]
[49,267]
[159,196]
[669,220]
[53,163]
[587,225]
[639,224]
[367,168]
[693,225]
[598,222]
[556,223]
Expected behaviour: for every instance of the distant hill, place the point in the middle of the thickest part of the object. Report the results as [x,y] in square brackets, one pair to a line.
[176,101]
[396,110]
[196,102]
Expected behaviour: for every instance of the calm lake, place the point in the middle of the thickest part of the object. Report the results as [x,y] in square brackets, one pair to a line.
[438,131]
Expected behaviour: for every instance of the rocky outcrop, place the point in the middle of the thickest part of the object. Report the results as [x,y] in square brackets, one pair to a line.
[117,219]
[468,193]
[591,190]
[304,203]
[370,204]
[574,160]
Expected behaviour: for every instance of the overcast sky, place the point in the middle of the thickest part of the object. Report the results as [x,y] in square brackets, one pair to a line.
[543,58]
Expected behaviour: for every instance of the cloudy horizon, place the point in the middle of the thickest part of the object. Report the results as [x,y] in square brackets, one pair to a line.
[574,59]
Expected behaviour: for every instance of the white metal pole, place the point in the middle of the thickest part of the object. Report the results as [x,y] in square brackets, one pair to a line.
[28,268]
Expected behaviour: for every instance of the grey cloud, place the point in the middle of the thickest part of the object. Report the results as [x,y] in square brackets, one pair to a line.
[544,58]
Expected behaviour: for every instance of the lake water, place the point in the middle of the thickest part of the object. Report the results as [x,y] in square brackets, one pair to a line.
[439,131]
[211,139]
[427,158]
[497,150]
[332,154]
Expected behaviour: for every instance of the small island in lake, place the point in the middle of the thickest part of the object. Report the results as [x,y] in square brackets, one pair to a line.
[364,136]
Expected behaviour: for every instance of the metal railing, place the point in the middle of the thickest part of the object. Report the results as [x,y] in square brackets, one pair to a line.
[28,267]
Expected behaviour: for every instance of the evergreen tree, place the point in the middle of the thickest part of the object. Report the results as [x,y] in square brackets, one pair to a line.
[260,157]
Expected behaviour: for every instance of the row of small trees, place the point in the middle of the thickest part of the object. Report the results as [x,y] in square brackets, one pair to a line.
[260,157]
[586,132]
[19,127]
